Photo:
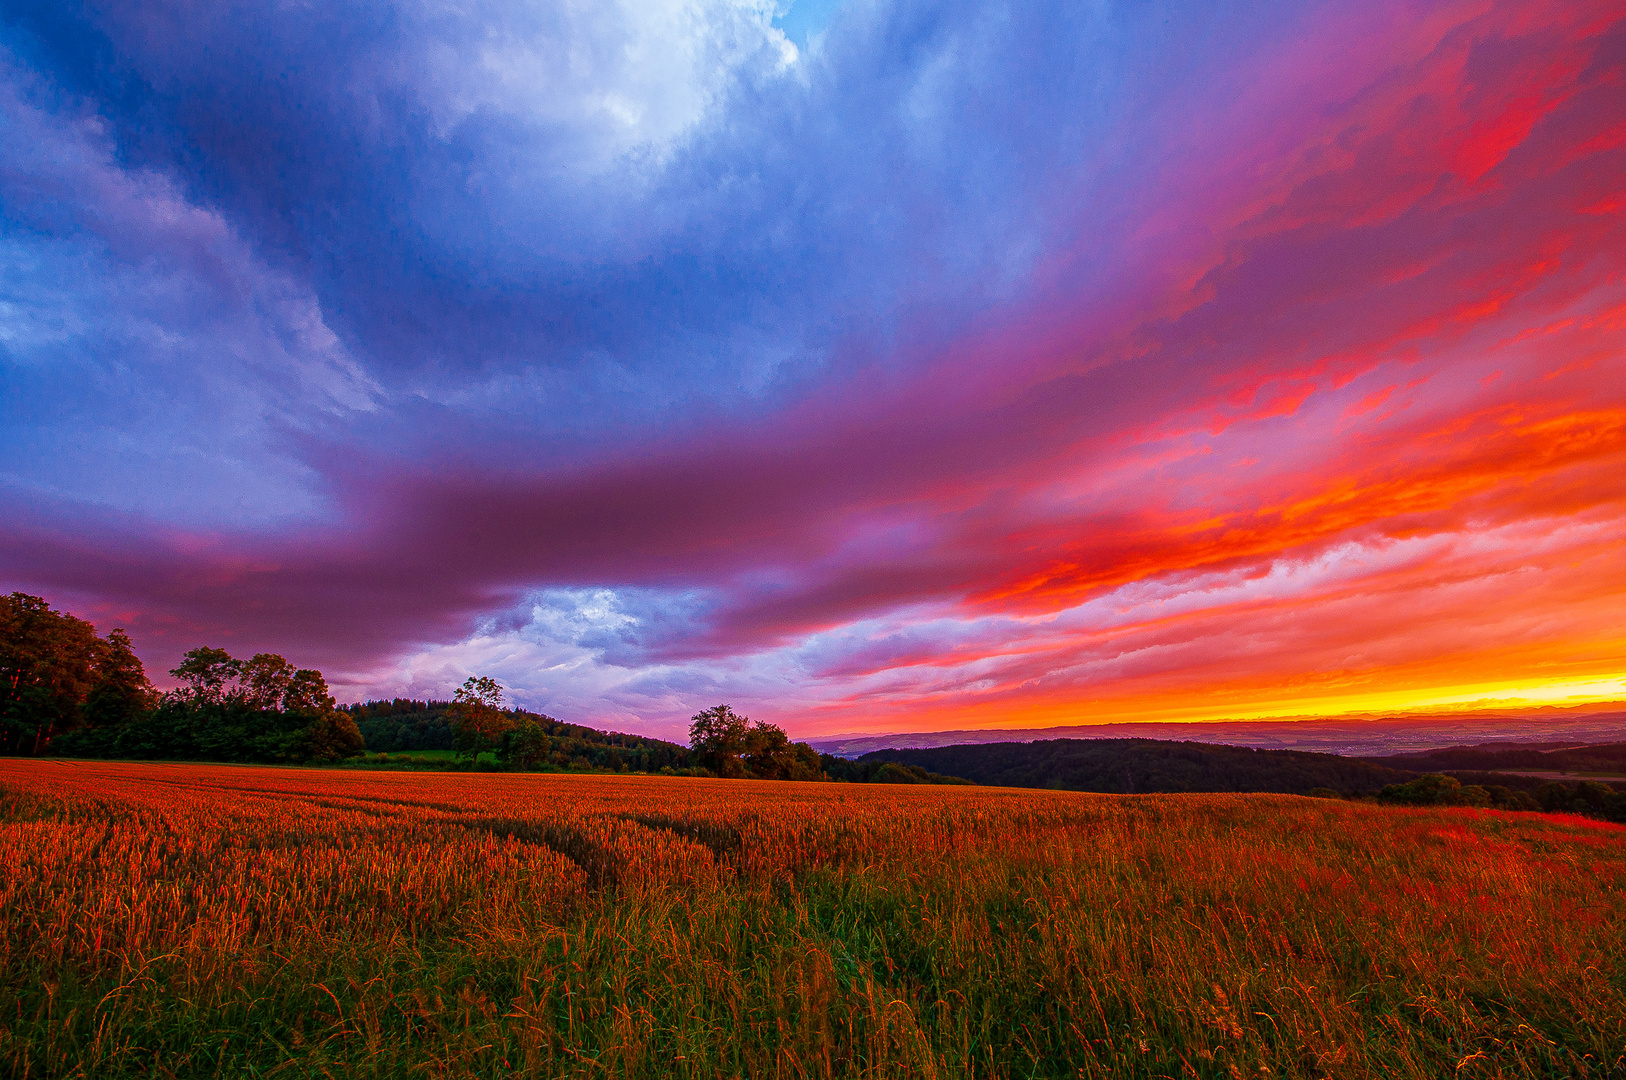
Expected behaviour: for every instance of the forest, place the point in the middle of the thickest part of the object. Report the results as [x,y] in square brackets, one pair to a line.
[66,691]
[262,709]
[1147,766]
[537,742]
[1545,757]
[1137,766]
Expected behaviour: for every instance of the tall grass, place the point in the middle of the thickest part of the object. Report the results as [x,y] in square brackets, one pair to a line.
[222,921]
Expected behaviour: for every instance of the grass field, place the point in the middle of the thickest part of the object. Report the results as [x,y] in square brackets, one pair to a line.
[231,921]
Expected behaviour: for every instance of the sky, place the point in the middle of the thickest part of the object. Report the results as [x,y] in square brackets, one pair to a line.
[868,365]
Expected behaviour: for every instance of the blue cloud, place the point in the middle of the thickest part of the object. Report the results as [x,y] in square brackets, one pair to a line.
[599,222]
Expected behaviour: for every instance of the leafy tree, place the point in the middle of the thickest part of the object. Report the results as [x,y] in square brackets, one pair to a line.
[478,716]
[893,773]
[717,738]
[122,690]
[880,771]
[307,692]
[1435,789]
[526,744]
[331,735]
[57,675]
[731,745]
[208,674]
[263,681]
[261,709]
[770,755]
[1504,798]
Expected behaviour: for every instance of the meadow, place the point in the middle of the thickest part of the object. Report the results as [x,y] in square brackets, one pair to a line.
[195,920]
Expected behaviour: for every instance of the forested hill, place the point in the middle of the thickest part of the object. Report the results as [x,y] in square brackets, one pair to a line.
[1604,758]
[1133,766]
[402,724]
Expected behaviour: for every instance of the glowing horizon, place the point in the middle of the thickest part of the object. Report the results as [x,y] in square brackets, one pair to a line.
[942,366]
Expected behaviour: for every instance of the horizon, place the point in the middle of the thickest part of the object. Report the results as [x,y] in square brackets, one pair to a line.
[884,368]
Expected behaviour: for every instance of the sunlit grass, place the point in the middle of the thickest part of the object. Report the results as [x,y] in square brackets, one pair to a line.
[202,921]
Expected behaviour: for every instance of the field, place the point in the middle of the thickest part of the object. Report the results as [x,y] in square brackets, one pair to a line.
[230,921]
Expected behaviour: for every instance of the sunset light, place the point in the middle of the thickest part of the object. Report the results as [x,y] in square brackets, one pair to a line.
[813,539]
[881,367]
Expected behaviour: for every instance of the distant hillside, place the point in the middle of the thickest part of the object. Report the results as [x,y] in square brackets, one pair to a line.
[403,724]
[1131,766]
[1604,758]
[1354,736]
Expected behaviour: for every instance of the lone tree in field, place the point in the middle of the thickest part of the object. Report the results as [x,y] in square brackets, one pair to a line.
[478,716]
[731,745]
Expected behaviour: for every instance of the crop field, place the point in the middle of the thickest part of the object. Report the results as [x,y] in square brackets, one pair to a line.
[230,921]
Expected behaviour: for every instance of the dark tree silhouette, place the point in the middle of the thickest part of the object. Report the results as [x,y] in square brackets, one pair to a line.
[57,675]
[731,745]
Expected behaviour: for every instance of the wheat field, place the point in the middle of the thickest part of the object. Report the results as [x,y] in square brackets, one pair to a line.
[193,920]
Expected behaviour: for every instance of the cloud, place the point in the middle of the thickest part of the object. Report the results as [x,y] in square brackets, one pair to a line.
[981,361]
[144,338]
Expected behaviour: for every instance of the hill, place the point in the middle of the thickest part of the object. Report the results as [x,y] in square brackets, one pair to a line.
[1131,766]
[1347,735]
[1539,757]
[402,724]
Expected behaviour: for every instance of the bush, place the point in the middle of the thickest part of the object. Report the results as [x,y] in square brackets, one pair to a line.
[1434,789]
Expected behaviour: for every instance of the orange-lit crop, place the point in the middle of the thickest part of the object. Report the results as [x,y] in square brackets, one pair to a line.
[208,920]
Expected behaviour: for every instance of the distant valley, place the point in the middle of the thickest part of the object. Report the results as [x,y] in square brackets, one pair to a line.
[1348,736]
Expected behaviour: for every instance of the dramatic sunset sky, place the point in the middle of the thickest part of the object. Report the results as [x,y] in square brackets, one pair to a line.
[866,364]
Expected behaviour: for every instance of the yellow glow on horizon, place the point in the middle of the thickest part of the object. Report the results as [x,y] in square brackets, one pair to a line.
[1503,695]
[1461,698]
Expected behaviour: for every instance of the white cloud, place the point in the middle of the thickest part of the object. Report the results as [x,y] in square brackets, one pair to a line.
[607,81]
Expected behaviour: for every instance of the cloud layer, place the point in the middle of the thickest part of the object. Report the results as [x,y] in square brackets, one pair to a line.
[976,365]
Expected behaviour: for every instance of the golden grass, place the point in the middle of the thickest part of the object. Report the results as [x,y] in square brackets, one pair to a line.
[213,920]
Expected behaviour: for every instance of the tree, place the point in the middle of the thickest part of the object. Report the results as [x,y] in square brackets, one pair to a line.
[331,735]
[263,681]
[770,755]
[478,716]
[122,691]
[731,745]
[526,744]
[260,709]
[55,674]
[718,737]
[307,692]
[207,673]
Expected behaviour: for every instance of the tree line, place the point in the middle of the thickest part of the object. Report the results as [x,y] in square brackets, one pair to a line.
[1142,766]
[66,691]
[1546,757]
[1585,797]
[1138,766]
[262,709]
[722,743]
